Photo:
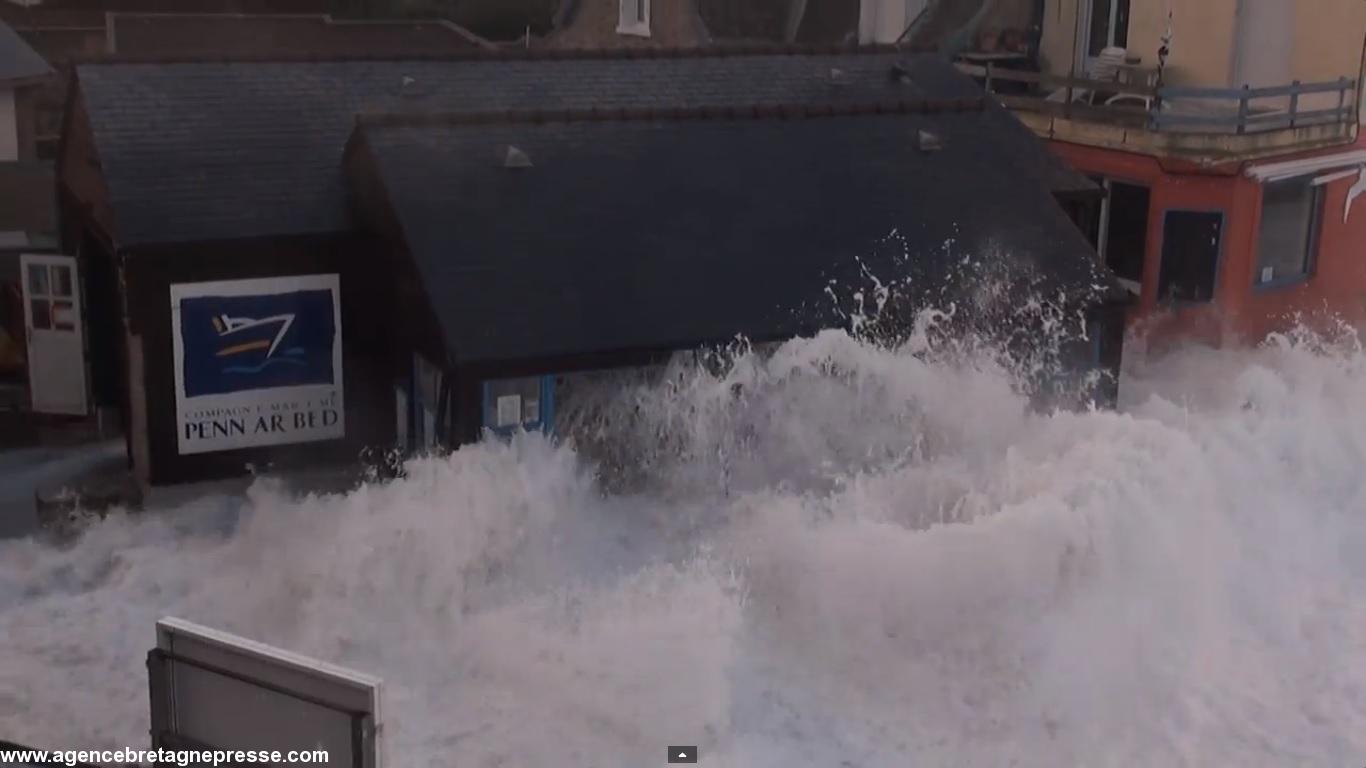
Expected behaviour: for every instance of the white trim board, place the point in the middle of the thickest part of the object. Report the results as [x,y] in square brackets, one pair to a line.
[1291,169]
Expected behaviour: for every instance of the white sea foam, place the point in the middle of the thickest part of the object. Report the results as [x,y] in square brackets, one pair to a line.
[833,555]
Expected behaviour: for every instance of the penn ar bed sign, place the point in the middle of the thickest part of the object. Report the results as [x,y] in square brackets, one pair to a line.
[257,362]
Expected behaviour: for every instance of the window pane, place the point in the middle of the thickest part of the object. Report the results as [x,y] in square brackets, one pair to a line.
[63,316]
[37,279]
[512,402]
[1289,221]
[1190,255]
[1109,25]
[61,281]
[42,314]
[508,411]
[1120,32]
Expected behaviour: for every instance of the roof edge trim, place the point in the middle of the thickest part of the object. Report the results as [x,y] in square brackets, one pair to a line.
[516,54]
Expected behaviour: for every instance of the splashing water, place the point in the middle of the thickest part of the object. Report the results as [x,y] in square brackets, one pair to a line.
[832,555]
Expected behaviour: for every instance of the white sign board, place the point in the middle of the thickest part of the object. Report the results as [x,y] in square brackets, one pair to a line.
[257,362]
[215,691]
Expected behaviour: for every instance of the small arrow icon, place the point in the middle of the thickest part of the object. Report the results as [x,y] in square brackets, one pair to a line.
[682,755]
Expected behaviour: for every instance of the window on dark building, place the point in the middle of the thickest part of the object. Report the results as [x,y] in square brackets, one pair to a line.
[1190,255]
[48,125]
[512,403]
[1292,213]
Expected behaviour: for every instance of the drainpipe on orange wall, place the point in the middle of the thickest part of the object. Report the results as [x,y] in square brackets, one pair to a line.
[1361,74]
[1076,43]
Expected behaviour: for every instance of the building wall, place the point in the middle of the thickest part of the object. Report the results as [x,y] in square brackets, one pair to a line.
[191,35]
[1261,56]
[593,24]
[27,201]
[1212,46]
[367,375]
[26,121]
[78,170]
[1240,311]
[1202,41]
[753,20]
[883,21]
[1328,36]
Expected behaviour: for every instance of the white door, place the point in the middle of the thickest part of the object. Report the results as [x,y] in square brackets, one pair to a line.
[52,321]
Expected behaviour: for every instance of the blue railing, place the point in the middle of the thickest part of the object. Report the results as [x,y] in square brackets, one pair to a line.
[1242,118]
[1175,109]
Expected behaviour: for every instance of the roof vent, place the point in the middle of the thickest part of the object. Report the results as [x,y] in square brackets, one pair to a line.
[928,142]
[837,76]
[409,87]
[515,158]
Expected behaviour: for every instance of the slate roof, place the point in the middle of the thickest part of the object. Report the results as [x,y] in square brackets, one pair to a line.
[673,230]
[213,150]
[18,61]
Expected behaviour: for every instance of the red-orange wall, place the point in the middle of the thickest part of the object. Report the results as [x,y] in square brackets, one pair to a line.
[1239,312]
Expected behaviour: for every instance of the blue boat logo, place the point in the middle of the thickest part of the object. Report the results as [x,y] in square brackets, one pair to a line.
[258,341]
[251,345]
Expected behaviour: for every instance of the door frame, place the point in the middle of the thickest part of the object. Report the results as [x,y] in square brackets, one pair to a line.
[1216,290]
[1107,183]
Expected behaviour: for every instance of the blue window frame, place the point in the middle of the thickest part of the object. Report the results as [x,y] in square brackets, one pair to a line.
[1288,236]
[525,403]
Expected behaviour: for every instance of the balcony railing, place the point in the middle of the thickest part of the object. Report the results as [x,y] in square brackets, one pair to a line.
[1173,109]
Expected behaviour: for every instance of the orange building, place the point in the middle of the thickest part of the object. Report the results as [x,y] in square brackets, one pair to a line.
[1234,251]
[1225,134]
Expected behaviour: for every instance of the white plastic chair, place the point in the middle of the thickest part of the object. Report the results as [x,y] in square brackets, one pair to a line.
[1104,67]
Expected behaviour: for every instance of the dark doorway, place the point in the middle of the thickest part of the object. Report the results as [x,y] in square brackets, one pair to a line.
[104,321]
[1118,229]
[1190,255]
[1126,230]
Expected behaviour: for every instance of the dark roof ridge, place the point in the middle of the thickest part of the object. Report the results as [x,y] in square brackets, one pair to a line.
[794,111]
[515,54]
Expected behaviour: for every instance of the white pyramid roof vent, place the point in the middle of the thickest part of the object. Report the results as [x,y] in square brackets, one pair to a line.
[514,157]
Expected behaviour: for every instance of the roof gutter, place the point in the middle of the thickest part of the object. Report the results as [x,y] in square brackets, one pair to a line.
[1291,169]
